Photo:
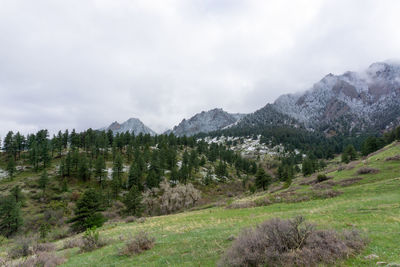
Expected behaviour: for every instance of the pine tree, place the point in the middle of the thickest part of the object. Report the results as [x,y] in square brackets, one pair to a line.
[263,179]
[100,170]
[10,216]
[16,192]
[11,167]
[87,211]
[117,174]
[133,202]
[83,169]
[34,155]
[43,181]
[135,177]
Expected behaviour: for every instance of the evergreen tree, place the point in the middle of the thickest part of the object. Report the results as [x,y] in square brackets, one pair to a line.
[10,216]
[43,181]
[100,170]
[34,156]
[83,169]
[16,192]
[153,179]
[221,169]
[117,174]
[307,166]
[263,179]
[11,167]
[350,152]
[87,211]
[133,202]
[345,157]
[135,177]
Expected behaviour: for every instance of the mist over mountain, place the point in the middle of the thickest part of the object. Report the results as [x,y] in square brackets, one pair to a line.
[348,103]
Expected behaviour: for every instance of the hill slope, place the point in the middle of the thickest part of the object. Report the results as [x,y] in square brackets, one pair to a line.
[200,237]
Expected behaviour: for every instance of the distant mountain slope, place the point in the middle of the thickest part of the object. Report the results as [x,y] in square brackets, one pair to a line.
[131,125]
[205,122]
[350,102]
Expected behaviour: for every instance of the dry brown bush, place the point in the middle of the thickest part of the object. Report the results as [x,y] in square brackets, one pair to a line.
[324,185]
[22,248]
[330,193]
[367,170]
[142,241]
[72,243]
[290,243]
[167,199]
[92,240]
[241,205]
[44,247]
[141,220]
[130,219]
[349,181]
[44,259]
[396,157]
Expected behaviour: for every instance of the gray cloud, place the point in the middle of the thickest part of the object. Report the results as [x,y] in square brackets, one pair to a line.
[80,64]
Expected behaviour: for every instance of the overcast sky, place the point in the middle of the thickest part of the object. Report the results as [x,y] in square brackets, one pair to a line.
[80,63]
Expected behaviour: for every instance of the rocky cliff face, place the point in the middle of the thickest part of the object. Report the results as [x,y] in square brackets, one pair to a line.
[132,125]
[205,122]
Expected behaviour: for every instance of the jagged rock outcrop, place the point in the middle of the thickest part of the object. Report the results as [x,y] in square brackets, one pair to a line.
[205,122]
[131,125]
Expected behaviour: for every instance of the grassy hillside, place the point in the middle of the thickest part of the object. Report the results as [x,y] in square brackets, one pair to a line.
[199,238]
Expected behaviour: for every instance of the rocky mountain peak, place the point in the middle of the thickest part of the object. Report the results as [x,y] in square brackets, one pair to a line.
[131,125]
[205,121]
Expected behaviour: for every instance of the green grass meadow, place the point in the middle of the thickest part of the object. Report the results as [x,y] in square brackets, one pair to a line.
[199,238]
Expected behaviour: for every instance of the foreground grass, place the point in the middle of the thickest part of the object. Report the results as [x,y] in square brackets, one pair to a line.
[199,238]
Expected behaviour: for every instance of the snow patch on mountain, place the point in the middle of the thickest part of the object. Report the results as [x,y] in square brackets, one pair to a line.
[132,125]
[359,96]
[205,122]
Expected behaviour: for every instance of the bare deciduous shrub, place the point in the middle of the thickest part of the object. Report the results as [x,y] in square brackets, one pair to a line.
[367,170]
[72,243]
[140,242]
[241,205]
[324,185]
[43,247]
[330,193]
[396,157]
[141,220]
[321,177]
[130,219]
[341,168]
[91,240]
[169,199]
[290,243]
[44,259]
[349,181]
[59,233]
[22,248]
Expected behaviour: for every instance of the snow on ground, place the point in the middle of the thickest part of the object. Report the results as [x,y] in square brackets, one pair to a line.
[3,174]
[247,146]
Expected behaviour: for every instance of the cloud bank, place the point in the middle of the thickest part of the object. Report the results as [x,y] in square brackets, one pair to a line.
[80,64]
